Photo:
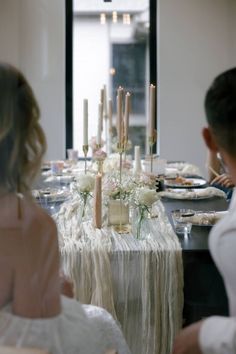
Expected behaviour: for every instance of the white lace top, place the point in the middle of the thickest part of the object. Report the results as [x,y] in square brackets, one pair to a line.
[79,329]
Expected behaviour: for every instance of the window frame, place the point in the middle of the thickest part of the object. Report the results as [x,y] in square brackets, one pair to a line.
[69,61]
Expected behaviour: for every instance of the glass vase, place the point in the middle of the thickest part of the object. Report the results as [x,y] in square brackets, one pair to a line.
[85,210]
[140,217]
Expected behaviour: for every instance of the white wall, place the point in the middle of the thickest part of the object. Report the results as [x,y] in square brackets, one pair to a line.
[9,24]
[92,61]
[233,30]
[32,37]
[195,42]
[91,72]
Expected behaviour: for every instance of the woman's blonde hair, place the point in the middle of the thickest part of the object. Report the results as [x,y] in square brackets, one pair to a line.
[22,140]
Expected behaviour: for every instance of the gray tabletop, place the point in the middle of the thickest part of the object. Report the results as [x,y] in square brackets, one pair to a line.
[198,239]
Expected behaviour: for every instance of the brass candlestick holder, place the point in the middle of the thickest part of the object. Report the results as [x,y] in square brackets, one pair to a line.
[98,146]
[106,132]
[120,149]
[151,141]
[109,141]
[85,151]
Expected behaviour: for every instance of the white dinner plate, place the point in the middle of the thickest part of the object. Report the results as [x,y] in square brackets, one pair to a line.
[50,196]
[195,183]
[187,194]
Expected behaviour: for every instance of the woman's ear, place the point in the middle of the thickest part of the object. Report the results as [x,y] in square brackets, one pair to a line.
[209,139]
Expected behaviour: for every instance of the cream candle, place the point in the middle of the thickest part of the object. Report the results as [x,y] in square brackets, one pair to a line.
[119,115]
[126,118]
[137,160]
[110,112]
[99,127]
[102,103]
[97,211]
[105,102]
[152,110]
[85,122]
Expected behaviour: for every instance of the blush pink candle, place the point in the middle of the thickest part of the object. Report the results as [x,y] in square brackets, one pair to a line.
[97,216]
[119,115]
[126,118]
[152,110]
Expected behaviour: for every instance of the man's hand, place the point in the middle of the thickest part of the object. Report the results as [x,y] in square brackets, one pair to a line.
[223,180]
[187,341]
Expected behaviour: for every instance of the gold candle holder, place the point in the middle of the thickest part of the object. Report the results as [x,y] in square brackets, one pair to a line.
[106,131]
[151,142]
[98,146]
[125,148]
[122,229]
[85,151]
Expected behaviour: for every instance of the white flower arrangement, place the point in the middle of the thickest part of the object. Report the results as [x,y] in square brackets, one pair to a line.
[145,197]
[114,190]
[112,163]
[84,186]
[99,155]
[84,183]
[146,180]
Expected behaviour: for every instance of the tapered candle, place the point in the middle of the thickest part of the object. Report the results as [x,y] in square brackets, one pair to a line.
[99,127]
[102,102]
[110,112]
[152,110]
[137,160]
[97,211]
[105,101]
[85,122]
[126,118]
[119,115]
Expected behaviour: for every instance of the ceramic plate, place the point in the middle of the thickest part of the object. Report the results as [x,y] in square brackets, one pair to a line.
[186,194]
[180,182]
[50,196]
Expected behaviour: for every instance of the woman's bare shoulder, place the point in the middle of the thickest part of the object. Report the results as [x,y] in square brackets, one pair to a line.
[38,216]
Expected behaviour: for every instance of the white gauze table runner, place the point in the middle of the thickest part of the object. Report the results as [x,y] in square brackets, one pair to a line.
[140,282]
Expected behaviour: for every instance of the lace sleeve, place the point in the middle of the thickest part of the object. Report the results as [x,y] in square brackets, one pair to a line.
[108,328]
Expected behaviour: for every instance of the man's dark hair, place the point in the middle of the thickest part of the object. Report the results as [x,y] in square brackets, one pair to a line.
[220,108]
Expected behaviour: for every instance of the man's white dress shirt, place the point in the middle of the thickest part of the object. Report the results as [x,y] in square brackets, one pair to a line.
[218,334]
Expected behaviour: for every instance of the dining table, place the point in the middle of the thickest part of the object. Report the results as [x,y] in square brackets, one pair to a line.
[204,290]
[152,286]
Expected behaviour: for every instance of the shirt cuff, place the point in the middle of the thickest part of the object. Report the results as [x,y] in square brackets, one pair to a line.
[218,335]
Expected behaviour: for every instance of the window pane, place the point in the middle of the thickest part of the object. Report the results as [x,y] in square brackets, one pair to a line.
[110,48]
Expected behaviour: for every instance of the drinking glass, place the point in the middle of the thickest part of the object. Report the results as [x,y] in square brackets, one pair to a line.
[182,220]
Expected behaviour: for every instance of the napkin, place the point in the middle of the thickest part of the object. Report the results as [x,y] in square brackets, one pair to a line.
[182,168]
[207,218]
[196,193]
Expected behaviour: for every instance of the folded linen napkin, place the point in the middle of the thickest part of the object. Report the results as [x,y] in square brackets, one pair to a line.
[196,193]
[206,218]
[182,168]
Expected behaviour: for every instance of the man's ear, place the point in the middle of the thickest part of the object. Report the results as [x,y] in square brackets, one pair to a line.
[209,139]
